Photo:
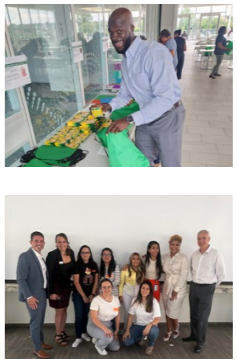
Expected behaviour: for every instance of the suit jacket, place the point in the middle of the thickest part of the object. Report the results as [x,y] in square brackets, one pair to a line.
[57,274]
[30,276]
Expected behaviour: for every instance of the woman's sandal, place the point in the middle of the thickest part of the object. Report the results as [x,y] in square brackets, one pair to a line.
[167,336]
[66,337]
[176,332]
[59,338]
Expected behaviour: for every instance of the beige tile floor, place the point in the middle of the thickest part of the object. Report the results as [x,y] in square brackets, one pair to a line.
[208,130]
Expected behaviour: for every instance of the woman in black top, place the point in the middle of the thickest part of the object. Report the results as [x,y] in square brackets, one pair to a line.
[181,48]
[85,280]
[220,49]
[60,264]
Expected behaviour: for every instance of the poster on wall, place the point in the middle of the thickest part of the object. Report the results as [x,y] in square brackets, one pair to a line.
[16,72]
[77,51]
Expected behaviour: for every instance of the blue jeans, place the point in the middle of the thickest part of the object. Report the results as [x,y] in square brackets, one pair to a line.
[136,335]
[81,314]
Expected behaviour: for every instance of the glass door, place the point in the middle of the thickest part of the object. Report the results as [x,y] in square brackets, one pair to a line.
[209,24]
[184,23]
[19,137]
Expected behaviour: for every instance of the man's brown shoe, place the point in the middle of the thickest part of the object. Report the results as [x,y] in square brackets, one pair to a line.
[41,354]
[46,346]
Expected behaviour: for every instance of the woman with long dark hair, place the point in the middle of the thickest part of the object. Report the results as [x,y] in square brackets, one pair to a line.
[146,311]
[153,267]
[219,52]
[109,269]
[85,280]
[60,264]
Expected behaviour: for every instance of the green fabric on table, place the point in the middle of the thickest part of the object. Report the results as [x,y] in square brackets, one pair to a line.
[121,150]
[36,163]
[53,153]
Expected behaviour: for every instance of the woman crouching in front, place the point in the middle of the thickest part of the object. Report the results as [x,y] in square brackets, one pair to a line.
[104,308]
[146,311]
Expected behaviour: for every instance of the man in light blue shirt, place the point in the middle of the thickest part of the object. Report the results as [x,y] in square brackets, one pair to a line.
[148,77]
[166,39]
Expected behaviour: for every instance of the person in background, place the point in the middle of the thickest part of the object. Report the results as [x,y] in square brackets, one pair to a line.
[181,48]
[208,271]
[60,264]
[184,35]
[85,280]
[220,49]
[176,268]
[153,267]
[166,39]
[104,310]
[159,122]
[109,269]
[146,311]
[32,278]
[131,277]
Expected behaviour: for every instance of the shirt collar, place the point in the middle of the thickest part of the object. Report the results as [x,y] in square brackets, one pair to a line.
[40,256]
[134,47]
[207,251]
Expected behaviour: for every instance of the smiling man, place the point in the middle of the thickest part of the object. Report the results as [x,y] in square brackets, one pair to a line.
[148,76]
[208,271]
[32,278]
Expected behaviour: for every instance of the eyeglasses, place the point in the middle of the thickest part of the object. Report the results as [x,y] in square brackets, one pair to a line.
[106,254]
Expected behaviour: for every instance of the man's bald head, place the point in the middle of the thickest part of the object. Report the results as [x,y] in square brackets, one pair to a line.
[121,16]
[121,29]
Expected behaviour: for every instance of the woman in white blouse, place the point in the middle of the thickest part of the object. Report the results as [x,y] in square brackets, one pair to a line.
[176,267]
[103,310]
[146,311]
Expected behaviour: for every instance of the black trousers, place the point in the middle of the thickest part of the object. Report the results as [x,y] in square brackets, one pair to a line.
[180,67]
[200,299]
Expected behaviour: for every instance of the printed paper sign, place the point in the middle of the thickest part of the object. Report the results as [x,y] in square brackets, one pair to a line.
[16,72]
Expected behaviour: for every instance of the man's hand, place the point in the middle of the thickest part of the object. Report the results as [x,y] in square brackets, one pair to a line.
[33,302]
[118,126]
[106,107]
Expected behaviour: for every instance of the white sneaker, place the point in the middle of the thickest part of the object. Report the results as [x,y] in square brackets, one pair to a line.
[85,337]
[94,340]
[76,342]
[103,353]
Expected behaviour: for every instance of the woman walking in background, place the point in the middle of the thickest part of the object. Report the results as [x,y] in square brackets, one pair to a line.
[220,49]
[60,264]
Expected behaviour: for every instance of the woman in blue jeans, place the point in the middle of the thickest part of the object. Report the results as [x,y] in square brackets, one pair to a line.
[85,280]
[146,311]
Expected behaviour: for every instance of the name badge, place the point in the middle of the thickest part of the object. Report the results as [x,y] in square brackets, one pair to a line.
[61,262]
[155,288]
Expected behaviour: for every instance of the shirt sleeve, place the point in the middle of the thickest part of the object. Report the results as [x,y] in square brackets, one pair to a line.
[183,275]
[116,276]
[122,282]
[94,304]
[220,269]
[122,98]
[156,309]
[162,81]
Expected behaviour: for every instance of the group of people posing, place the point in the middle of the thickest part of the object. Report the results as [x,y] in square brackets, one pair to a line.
[98,291]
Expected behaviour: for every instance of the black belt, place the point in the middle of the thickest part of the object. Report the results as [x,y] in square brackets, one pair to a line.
[176,105]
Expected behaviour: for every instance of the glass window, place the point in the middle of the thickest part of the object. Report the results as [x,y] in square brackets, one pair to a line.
[203,9]
[44,34]
[12,105]
[14,159]
[90,31]
[219,9]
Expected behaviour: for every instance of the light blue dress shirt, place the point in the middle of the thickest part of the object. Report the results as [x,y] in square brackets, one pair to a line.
[149,77]
[172,45]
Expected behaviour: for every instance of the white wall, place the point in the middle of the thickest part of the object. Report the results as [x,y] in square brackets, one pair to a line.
[124,223]
[169,15]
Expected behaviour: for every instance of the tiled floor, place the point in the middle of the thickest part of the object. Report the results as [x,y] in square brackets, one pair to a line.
[207,140]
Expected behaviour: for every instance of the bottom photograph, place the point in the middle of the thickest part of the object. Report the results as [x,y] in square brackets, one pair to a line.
[118,277]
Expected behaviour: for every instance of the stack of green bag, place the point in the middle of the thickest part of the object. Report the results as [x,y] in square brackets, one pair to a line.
[229,46]
[121,150]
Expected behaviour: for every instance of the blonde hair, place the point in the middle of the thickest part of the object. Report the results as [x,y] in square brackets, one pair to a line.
[176,238]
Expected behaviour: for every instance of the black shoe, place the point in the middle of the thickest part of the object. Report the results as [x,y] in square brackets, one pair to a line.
[212,77]
[188,339]
[217,75]
[198,348]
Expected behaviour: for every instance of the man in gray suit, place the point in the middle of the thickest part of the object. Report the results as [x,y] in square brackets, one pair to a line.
[32,278]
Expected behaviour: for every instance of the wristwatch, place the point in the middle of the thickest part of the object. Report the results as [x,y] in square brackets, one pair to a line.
[130,119]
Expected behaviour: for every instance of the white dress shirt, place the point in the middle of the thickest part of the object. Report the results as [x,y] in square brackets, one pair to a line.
[43,266]
[207,268]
